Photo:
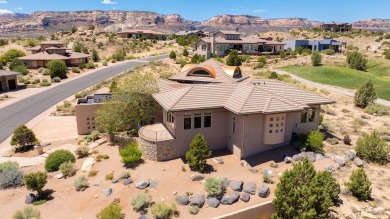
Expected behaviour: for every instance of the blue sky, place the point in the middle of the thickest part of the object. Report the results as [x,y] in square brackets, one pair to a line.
[198,10]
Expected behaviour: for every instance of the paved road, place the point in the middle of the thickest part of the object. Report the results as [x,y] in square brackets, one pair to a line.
[329,88]
[23,111]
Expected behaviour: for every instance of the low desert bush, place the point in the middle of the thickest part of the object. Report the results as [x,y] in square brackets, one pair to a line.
[92,173]
[131,154]
[23,138]
[56,79]
[359,184]
[125,175]
[10,175]
[104,63]
[109,176]
[55,159]
[95,134]
[347,140]
[101,157]
[27,213]
[81,183]
[141,202]
[214,187]
[113,211]
[75,70]
[326,126]
[315,141]
[376,108]
[371,147]
[163,211]
[80,94]
[90,65]
[82,151]
[68,169]
[329,51]
[44,84]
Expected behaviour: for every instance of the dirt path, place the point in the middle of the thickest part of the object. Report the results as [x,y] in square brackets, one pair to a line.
[339,90]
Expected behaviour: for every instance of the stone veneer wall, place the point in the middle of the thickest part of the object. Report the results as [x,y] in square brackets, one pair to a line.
[158,151]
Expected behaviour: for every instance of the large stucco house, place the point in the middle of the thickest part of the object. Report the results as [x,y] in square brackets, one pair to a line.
[231,110]
[221,42]
[53,50]
[320,45]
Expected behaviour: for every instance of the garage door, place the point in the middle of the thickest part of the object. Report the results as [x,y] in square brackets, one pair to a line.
[12,84]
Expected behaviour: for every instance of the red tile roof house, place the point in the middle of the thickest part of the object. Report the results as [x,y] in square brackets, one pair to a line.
[232,111]
[53,50]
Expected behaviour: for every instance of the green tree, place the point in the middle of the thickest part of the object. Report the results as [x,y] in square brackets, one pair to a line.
[15,63]
[195,59]
[11,55]
[316,58]
[262,61]
[95,55]
[3,42]
[57,68]
[172,55]
[359,184]
[371,147]
[58,157]
[119,55]
[304,193]
[185,52]
[198,153]
[387,54]
[365,95]
[76,47]
[74,29]
[233,58]
[113,211]
[35,181]
[356,61]
[314,141]
[23,137]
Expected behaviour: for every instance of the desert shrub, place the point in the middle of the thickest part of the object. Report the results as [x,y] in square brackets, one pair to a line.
[356,61]
[233,58]
[92,173]
[35,181]
[109,176]
[10,175]
[141,202]
[214,187]
[163,211]
[316,58]
[185,52]
[67,169]
[56,79]
[82,66]
[198,153]
[94,135]
[80,94]
[131,154]
[55,159]
[315,141]
[82,151]
[57,68]
[273,75]
[262,61]
[113,211]
[359,184]
[102,156]
[23,138]
[387,54]
[347,140]
[306,52]
[371,147]
[81,183]
[282,54]
[75,70]
[172,55]
[305,193]
[125,175]
[15,63]
[22,69]
[95,56]
[44,84]
[3,42]
[11,55]
[365,95]
[329,51]
[27,213]
[119,55]
[376,108]
[326,126]
[89,65]
[104,63]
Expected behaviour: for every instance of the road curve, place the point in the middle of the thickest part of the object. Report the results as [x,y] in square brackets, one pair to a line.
[24,110]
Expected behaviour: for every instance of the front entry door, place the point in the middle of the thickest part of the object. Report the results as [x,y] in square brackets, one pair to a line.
[12,84]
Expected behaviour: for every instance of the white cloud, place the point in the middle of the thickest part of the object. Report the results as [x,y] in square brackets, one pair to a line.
[109,2]
[5,11]
[3,2]
[257,11]
[19,8]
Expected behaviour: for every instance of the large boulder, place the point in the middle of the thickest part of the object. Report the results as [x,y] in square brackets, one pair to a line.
[30,198]
[213,202]
[358,162]
[236,185]
[229,200]
[245,197]
[182,200]
[197,200]
[197,177]
[250,188]
[87,164]
[311,156]
[107,192]
[264,191]
[141,184]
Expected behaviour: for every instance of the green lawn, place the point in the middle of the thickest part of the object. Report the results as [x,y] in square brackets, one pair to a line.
[379,72]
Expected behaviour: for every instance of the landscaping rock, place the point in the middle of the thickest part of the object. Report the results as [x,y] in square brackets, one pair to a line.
[319,157]
[229,200]
[287,159]
[218,160]
[197,200]
[143,217]
[30,198]
[107,192]
[296,157]
[358,162]
[182,200]
[303,155]
[378,211]
[236,185]
[127,181]
[141,184]
[280,174]
[245,197]
[253,170]
[250,188]
[194,210]
[153,184]
[197,177]
[354,209]
[330,169]
[115,180]
[351,155]
[311,156]
[213,202]
[264,191]
[87,164]
[59,176]
[339,160]
[329,156]
[366,215]
[269,173]
[96,183]
[243,163]
[225,182]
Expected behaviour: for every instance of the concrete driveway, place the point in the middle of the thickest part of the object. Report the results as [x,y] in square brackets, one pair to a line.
[26,109]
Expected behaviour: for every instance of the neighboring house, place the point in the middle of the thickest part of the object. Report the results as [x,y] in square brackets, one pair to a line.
[53,50]
[86,110]
[336,27]
[245,116]
[8,80]
[313,45]
[137,34]
[223,41]
[189,33]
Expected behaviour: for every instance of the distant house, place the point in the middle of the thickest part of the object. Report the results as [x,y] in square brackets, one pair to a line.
[189,33]
[53,50]
[319,45]
[8,80]
[137,34]
[220,102]
[336,27]
[223,41]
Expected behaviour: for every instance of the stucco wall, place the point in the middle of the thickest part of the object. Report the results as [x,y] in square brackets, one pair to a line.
[261,211]
[83,112]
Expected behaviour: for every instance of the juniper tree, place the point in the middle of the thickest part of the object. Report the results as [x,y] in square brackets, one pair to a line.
[365,95]
[198,153]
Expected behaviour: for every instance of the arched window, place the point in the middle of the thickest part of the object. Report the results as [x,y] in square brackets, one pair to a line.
[202,72]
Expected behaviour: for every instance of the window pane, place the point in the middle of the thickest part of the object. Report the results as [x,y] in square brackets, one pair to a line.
[207,120]
[187,123]
[303,117]
[197,122]
[312,115]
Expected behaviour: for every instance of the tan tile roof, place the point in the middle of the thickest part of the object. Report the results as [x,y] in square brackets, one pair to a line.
[229,32]
[51,42]
[77,55]
[8,73]
[221,73]
[53,47]
[141,31]
[242,40]
[44,56]
[259,96]
[274,43]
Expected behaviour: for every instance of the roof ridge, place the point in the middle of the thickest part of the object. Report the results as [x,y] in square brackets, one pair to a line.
[247,98]
[265,108]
